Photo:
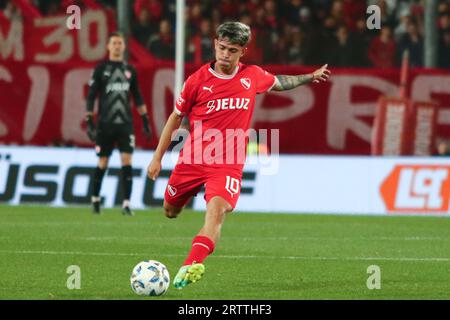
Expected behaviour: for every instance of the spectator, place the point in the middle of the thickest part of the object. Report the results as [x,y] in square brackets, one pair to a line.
[400,8]
[297,50]
[203,43]
[401,28]
[281,49]
[413,42]
[382,49]
[255,51]
[252,5]
[443,149]
[162,44]
[144,26]
[387,13]
[444,21]
[342,53]
[260,39]
[271,14]
[316,21]
[291,12]
[228,9]
[353,10]
[361,39]
[444,49]
[216,18]
[195,18]
[337,12]
[444,7]
[153,6]
[306,20]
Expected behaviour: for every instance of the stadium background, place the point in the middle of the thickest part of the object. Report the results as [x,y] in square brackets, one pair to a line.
[46,66]
[326,166]
[289,37]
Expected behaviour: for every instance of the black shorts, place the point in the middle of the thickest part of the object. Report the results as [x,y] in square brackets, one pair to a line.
[110,136]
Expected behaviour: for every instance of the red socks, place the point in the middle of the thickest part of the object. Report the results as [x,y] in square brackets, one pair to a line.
[201,248]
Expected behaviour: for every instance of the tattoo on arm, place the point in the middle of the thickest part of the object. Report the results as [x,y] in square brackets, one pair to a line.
[289,82]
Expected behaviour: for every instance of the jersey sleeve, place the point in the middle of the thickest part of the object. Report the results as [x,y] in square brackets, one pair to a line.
[138,100]
[94,86]
[185,101]
[264,80]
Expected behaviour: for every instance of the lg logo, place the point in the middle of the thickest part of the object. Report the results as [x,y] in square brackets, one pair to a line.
[421,188]
[417,189]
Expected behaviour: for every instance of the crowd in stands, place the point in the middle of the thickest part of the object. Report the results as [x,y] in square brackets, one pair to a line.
[298,32]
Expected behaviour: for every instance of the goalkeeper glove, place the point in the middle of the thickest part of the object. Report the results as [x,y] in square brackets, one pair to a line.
[90,128]
[146,127]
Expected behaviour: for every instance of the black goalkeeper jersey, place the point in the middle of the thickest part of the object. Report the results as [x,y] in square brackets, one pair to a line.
[113,82]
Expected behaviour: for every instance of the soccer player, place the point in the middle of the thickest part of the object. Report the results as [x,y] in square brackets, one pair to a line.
[220,96]
[113,80]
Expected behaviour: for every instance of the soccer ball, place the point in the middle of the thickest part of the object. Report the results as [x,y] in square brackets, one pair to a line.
[150,278]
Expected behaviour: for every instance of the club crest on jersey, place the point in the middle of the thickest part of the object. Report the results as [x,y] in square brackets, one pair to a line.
[246,82]
[171,190]
[127,74]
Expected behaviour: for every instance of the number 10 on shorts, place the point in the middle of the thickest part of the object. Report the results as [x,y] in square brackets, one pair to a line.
[232,185]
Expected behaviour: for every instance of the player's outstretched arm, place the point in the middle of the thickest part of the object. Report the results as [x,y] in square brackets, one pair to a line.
[287,82]
[172,124]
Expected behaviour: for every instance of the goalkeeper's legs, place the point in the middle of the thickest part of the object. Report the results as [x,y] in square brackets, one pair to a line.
[204,243]
[127,182]
[97,183]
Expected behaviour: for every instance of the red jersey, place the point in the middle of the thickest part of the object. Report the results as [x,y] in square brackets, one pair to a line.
[220,108]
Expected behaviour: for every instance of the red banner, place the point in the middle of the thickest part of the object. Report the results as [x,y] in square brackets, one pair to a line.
[45,104]
[49,40]
[44,70]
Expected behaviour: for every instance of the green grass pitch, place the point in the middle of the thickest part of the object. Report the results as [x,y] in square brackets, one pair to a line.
[260,256]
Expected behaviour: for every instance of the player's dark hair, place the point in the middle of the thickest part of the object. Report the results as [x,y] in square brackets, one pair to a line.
[116,34]
[235,32]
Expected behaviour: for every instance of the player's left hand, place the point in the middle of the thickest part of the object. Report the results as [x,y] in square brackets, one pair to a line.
[153,169]
[91,131]
[92,135]
[147,132]
[146,126]
[322,74]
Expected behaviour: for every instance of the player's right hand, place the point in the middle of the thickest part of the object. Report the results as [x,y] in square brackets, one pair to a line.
[147,133]
[91,134]
[154,169]
[322,74]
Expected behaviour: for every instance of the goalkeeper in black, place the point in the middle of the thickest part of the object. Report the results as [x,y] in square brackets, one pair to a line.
[113,81]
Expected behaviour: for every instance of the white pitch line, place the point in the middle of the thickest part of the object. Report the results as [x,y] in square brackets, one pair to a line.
[126,238]
[413,259]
